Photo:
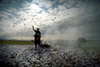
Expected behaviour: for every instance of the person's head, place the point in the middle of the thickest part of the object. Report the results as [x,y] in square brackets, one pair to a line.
[37,29]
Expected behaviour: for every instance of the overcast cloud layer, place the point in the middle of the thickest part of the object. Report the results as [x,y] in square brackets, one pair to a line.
[57,19]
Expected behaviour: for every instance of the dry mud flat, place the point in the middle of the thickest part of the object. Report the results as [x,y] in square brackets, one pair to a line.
[28,56]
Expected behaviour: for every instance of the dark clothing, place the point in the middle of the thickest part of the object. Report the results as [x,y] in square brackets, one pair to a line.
[37,38]
[37,35]
[37,42]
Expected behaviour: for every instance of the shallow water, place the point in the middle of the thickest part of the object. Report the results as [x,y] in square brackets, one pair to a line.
[57,56]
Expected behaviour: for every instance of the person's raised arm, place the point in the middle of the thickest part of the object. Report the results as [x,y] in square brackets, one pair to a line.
[33,28]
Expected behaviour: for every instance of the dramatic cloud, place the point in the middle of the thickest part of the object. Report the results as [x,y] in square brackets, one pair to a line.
[57,19]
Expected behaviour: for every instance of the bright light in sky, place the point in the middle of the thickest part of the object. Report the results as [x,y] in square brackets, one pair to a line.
[34,8]
[57,19]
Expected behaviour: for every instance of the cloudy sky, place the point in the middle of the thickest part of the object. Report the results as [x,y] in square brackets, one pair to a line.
[57,19]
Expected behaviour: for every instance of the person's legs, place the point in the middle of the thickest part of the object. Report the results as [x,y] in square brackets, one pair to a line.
[35,43]
[39,43]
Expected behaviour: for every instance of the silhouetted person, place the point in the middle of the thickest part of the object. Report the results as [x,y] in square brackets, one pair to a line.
[37,36]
